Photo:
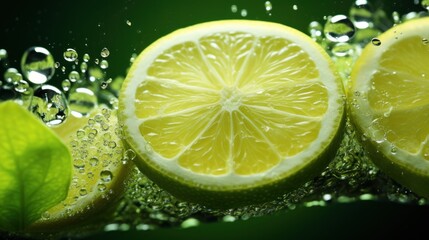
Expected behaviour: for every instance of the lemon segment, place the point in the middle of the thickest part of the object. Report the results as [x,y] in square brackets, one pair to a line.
[232,106]
[389,102]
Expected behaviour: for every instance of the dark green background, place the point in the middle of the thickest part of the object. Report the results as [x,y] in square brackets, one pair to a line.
[88,26]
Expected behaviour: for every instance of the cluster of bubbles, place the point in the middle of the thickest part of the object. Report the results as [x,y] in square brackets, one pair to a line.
[82,87]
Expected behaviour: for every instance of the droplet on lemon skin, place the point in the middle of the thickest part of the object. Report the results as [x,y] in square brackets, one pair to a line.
[97,188]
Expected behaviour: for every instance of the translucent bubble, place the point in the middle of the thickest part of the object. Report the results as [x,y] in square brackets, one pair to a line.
[70,55]
[295,7]
[86,57]
[105,52]
[425,41]
[95,74]
[234,8]
[37,65]
[104,64]
[339,28]
[82,101]
[83,67]
[106,176]
[93,161]
[74,76]
[128,22]
[22,86]
[83,192]
[376,42]
[66,84]
[3,54]
[50,105]
[243,12]
[361,14]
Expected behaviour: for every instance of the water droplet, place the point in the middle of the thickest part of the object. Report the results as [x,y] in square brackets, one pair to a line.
[70,55]
[3,54]
[327,197]
[425,41]
[190,222]
[112,144]
[104,64]
[361,14]
[93,161]
[82,101]
[425,4]
[339,28]
[243,12]
[37,65]
[50,105]
[83,67]
[74,76]
[234,8]
[86,57]
[295,7]
[83,192]
[376,42]
[46,215]
[57,65]
[393,150]
[11,75]
[106,176]
[129,154]
[105,52]
[95,74]
[22,86]
[65,85]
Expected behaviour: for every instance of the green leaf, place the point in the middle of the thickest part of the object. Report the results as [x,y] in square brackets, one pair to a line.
[35,168]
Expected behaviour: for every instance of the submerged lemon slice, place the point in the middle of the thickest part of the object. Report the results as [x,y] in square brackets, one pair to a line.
[99,175]
[232,112]
[389,102]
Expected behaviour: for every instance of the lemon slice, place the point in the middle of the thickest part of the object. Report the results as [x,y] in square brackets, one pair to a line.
[232,112]
[389,103]
[99,172]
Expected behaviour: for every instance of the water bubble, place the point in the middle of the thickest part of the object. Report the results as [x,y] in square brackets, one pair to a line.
[70,55]
[104,64]
[339,28]
[50,105]
[93,161]
[22,86]
[83,67]
[86,57]
[106,176]
[425,41]
[128,22]
[37,65]
[105,52]
[74,76]
[234,8]
[82,101]
[376,42]
[190,222]
[95,74]
[396,17]
[3,54]
[295,7]
[129,154]
[361,14]
[83,192]
[65,85]
[11,75]
[243,12]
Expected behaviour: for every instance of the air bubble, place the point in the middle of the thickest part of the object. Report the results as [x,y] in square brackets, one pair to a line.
[82,101]
[86,57]
[37,65]
[425,4]
[70,55]
[50,105]
[106,176]
[65,85]
[339,28]
[234,8]
[361,14]
[243,12]
[105,52]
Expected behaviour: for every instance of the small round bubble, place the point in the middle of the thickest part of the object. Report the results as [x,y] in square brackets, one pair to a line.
[70,55]
[37,65]
[376,42]
[82,101]
[50,105]
[105,52]
[339,28]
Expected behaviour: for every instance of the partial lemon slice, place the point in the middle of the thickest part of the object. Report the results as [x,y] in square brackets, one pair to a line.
[232,112]
[100,170]
[389,102]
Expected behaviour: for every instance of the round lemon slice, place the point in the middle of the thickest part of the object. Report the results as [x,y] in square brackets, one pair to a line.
[389,103]
[232,112]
